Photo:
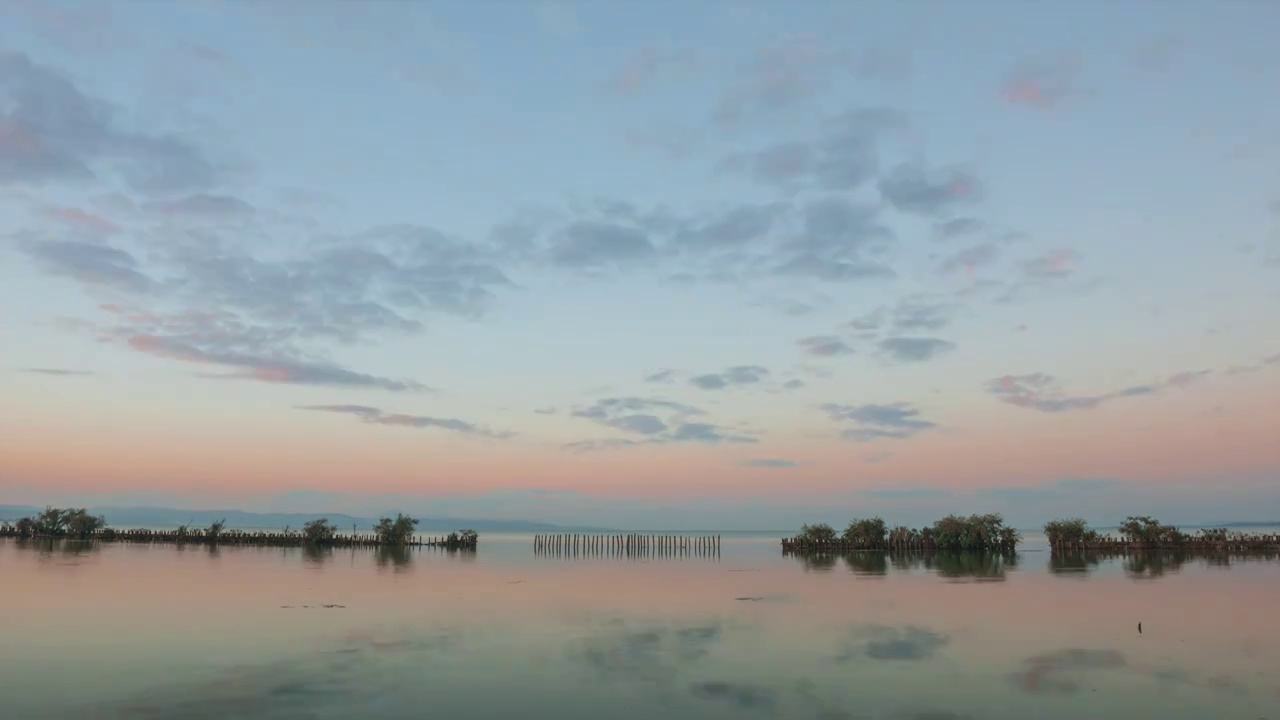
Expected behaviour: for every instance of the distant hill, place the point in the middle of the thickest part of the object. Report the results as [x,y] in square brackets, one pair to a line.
[172,517]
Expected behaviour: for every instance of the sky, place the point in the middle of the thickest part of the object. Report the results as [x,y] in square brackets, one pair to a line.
[714,265]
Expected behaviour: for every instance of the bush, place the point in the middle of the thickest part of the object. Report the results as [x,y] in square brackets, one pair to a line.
[1071,531]
[819,532]
[319,531]
[395,532]
[866,533]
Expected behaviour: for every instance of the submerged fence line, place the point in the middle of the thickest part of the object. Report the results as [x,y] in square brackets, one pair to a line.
[242,537]
[627,544]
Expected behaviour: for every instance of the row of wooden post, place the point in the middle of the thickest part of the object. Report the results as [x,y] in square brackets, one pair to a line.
[632,543]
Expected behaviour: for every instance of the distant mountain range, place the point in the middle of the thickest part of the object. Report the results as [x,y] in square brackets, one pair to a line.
[171,517]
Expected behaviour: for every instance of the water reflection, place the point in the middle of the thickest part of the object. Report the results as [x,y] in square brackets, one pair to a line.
[53,550]
[396,557]
[954,566]
[1074,563]
[316,555]
[873,564]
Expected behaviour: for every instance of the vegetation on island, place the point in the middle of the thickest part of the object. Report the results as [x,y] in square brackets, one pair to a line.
[78,524]
[953,532]
[1148,532]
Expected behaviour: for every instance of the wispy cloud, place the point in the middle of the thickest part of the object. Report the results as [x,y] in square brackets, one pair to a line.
[56,371]
[736,375]
[824,346]
[897,421]
[1038,391]
[914,349]
[651,421]
[1044,82]
[375,416]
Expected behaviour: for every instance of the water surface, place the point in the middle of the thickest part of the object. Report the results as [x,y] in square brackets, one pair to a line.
[150,632]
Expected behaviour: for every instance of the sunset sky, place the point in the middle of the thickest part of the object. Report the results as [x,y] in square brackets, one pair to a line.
[692,265]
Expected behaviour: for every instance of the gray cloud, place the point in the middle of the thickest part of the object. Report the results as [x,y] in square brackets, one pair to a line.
[202,205]
[248,352]
[770,463]
[56,371]
[93,264]
[845,156]
[737,375]
[1058,263]
[824,346]
[374,416]
[957,227]
[665,375]
[738,227]
[895,421]
[1038,391]
[50,131]
[835,243]
[596,244]
[1043,82]
[970,258]
[654,421]
[914,349]
[778,77]
[911,190]
[922,312]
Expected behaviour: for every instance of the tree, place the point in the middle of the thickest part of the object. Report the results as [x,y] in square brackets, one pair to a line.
[80,524]
[395,532]
[866,533]
[1069,531]
[819,532]
[318,531]
[214,531]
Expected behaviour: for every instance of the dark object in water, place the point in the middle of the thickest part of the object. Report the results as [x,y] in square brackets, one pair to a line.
[1139,628]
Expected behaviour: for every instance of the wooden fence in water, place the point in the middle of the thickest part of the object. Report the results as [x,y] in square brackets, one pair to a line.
[627,545]
[241,537]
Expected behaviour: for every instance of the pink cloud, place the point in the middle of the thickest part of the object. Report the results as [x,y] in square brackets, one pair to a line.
[83,219]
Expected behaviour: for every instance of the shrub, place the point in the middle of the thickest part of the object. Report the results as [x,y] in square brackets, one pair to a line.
[395,532]
[318,531]
[819,532]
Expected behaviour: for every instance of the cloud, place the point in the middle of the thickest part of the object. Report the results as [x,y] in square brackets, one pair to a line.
[595,244]
[737,375]
[237,309]
[202,205]
[84,220]
[50,131]
[957,227]
[824,346]
[836,240]
[56,371]
[1054,264]
[922,312]
[911,190]
[1043,83]
[970,258]
[662,376]
[777,77]
[263,354]
[1038,391]
[897,421]
[92,264]
[769,463]
[374,416]
[914,349]
[648,65]
[845,156]
[653,421]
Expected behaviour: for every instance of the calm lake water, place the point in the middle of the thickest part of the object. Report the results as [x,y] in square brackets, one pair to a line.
[158,632]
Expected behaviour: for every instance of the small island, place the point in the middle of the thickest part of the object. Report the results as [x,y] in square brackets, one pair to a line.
[77,524]
[988,533]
